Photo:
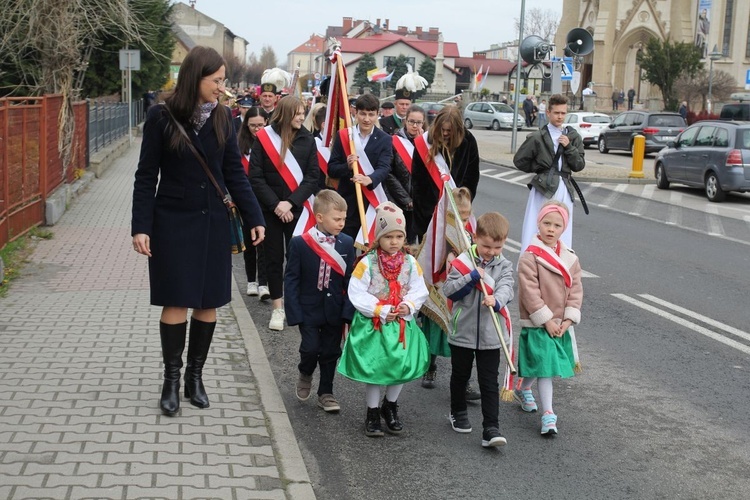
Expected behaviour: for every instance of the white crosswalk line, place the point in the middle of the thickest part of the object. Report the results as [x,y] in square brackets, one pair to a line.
[648,191]
[715,227]
[699,317]
[683,322]
[507,173]
[486,171]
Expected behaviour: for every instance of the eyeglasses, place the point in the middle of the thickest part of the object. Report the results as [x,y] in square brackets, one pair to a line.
[413,122]
[255,125]
[220,82]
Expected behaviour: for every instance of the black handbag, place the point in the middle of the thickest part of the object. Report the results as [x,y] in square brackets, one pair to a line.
[236,233]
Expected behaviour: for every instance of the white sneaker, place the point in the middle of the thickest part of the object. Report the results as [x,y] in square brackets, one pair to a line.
[264,292]
[277,320]
[252,288]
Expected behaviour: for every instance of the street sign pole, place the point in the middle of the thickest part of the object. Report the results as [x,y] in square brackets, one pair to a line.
[130,102]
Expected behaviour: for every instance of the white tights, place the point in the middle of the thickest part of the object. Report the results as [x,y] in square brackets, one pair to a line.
[372,394]
[545,391]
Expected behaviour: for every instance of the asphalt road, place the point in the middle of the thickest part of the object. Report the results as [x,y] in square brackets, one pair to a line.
[658,412]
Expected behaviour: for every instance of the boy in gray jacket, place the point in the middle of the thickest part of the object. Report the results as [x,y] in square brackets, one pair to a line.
[473,332]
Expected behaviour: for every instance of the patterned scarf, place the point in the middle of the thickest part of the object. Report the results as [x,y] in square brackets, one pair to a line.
[390,265]
[205,110]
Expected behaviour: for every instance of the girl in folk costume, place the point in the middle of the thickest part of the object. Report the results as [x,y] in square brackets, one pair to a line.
[549,299]
[385,346]
[398,183]
[255,119]
[447,148]
[285,178]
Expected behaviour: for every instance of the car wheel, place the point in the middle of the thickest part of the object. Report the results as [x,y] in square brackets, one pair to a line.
[713,188]
[495,125]
[603,145]
[661,177]
[467,123]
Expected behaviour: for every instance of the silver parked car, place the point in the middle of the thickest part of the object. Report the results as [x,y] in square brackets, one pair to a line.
[494,115]
[588,125]
[714,155]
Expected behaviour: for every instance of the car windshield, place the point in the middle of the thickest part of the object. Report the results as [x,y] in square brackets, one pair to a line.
[666,121]
[502,108]
[596,119]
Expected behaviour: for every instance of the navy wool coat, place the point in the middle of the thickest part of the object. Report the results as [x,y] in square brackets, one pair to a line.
[191,263]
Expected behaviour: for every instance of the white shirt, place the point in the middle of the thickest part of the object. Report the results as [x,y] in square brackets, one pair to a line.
[364,138]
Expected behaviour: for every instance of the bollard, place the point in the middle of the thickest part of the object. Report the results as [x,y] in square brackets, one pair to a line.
[639,150]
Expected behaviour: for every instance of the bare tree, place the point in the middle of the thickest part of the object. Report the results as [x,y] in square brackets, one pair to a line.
[267,57]
[540,22]
[694,90]
[45,45]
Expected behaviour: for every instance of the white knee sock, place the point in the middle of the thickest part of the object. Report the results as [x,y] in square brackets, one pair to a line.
[545,393]
[372,395]
[392,392]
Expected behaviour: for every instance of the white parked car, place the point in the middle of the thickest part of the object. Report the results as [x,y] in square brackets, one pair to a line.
[588,125]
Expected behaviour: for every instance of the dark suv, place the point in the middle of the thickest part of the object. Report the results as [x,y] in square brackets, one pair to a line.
[736,111]
[658,127]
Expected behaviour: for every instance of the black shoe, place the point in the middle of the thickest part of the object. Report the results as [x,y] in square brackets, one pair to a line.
[172,346]
[471,393]
[389,410]
[460,422]
[428,380]
[372,423]
[199,343]
[491,437]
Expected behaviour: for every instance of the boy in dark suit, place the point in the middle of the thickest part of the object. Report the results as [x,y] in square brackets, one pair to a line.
[373,152]
[319,264]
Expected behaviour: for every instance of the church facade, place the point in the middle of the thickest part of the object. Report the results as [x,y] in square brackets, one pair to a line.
[621,28]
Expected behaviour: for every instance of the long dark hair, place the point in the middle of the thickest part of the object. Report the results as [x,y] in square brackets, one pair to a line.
[184,103]
[245,138]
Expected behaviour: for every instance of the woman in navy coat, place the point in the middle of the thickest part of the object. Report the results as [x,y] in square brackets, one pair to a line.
[183,226]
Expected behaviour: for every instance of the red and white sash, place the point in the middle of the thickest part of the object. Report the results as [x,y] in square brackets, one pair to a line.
[405,150]
[374,196]
[552,261]
[290,171]
[437,168]
[324,155]
[463,266]
[245,159]
[327,254]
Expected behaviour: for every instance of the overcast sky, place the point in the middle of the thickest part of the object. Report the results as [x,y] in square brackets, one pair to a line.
[473,25]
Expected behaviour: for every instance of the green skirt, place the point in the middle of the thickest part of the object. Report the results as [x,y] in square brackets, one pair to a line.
[540,355]
[377,357]
[436,338]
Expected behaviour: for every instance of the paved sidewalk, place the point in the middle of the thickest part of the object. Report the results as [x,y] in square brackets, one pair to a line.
[80,378]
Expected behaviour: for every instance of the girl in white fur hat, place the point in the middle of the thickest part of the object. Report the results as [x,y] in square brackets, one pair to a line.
[385,346]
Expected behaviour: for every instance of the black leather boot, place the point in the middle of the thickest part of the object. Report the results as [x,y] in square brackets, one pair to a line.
[199,343]
[390,415]
[372,423]
[172,345]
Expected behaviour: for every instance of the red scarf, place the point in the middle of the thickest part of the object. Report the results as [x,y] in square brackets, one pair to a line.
[390,267]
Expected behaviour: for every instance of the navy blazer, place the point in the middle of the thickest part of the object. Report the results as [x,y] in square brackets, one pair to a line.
[379,150]
[303,302]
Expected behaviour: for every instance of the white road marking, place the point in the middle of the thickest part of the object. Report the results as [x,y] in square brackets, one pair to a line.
[683,322]
[715,227]
[502,175]
[699,317]
[648,191]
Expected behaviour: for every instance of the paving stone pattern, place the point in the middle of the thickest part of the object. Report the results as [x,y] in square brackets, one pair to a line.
[80,376]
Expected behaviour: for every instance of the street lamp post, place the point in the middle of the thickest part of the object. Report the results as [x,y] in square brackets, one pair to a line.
[715,55]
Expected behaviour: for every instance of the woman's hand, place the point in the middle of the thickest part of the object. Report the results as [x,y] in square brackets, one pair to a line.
[403,310]
[258,234]
[284,211]
[142,244]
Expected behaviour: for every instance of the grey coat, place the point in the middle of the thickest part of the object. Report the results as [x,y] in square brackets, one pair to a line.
[471,326]
[537,153]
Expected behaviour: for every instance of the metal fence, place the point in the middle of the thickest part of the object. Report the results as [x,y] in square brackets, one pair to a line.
[30,163]
[108,121]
